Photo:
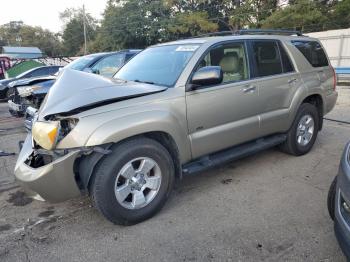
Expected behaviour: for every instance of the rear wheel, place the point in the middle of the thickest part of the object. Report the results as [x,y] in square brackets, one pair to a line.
[133,183]
[302,135]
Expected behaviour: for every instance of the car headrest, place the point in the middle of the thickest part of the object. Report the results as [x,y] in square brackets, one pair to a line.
[267,54]
[230,63]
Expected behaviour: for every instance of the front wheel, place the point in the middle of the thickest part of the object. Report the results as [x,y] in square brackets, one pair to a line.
[133,183]
[302,135]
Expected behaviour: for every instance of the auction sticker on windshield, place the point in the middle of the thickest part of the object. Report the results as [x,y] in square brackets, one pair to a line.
[187,48]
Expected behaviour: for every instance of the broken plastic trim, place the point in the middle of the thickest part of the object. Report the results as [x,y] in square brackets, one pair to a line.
[41,157]
[82,150]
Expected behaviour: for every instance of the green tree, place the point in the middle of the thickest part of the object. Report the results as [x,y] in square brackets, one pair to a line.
[73,33]
[303,15]
[19,34]
[132,24]
[192,24]
[341,14]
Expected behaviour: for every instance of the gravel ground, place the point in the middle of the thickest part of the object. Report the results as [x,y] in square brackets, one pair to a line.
[267,207]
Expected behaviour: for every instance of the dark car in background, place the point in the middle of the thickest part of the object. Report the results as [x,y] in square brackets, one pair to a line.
[34,72]
[31,95]
[339,202]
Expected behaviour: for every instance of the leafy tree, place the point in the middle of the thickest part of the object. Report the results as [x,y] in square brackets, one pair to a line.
[191,24]
[303,15]
[73,33]
[341,14]
[19,34]
[132,24]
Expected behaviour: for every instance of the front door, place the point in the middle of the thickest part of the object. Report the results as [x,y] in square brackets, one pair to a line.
[223,115]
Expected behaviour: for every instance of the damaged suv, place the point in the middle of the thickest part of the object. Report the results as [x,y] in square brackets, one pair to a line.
[176,108]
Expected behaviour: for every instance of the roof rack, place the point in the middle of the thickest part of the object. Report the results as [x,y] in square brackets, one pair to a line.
[220,33]
[253,32]
[268,32]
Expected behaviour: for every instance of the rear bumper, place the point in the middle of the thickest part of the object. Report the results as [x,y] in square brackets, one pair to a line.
[343,238]
[331,100]
[54,182]
[342,216]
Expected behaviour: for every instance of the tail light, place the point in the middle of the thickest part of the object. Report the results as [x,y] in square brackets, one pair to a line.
[334,79]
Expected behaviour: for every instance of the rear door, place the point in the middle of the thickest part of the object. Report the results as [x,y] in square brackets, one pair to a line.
[277,81]
[220,116]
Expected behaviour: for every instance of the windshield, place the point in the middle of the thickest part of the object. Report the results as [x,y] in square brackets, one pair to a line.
[161,65]
[80,63]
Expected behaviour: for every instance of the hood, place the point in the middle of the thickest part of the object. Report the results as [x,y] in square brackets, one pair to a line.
[76,91]
[31,81]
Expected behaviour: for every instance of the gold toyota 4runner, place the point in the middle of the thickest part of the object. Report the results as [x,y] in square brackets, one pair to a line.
[174,109]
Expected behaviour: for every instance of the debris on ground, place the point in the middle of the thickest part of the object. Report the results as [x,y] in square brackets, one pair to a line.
[3,153]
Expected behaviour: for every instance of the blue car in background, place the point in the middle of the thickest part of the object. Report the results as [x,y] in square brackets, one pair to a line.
[30,94]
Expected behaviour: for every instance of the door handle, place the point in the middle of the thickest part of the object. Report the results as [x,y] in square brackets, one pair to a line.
[249,89]
[290,81]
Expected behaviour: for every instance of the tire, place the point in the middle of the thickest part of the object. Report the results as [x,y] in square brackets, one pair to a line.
[291,145]
[108,176]
[331,198]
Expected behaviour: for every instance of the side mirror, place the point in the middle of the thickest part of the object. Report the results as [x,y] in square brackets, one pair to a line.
[208,75]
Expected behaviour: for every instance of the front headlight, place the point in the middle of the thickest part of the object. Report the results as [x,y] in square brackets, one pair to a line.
[46,133]
[26,90]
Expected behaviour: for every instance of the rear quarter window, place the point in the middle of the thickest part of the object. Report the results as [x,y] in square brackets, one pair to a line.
[313,52]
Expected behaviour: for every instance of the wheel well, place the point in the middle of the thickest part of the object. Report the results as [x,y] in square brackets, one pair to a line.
[168,142]
[85,165]
[317,101]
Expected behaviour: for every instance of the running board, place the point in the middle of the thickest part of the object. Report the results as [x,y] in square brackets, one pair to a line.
[231,154]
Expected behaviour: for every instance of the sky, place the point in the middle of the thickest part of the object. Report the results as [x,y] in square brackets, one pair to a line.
[45,13]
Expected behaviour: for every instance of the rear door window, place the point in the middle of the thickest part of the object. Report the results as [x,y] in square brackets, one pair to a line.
[266,58]
[313,52]
[287,64]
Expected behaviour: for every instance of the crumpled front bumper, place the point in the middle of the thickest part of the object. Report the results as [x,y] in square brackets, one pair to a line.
[54,182]
[342,215]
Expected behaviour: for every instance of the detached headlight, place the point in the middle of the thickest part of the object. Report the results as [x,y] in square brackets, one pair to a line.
[26,90]
[46,133]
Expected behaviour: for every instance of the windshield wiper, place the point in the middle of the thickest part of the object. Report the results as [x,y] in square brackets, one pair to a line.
[146,82]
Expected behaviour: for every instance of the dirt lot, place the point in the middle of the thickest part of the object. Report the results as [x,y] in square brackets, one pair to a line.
[268,207]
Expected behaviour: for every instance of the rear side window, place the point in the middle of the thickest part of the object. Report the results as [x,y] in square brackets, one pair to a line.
[287,64]
[40,72]
[267,58]
[313,52]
